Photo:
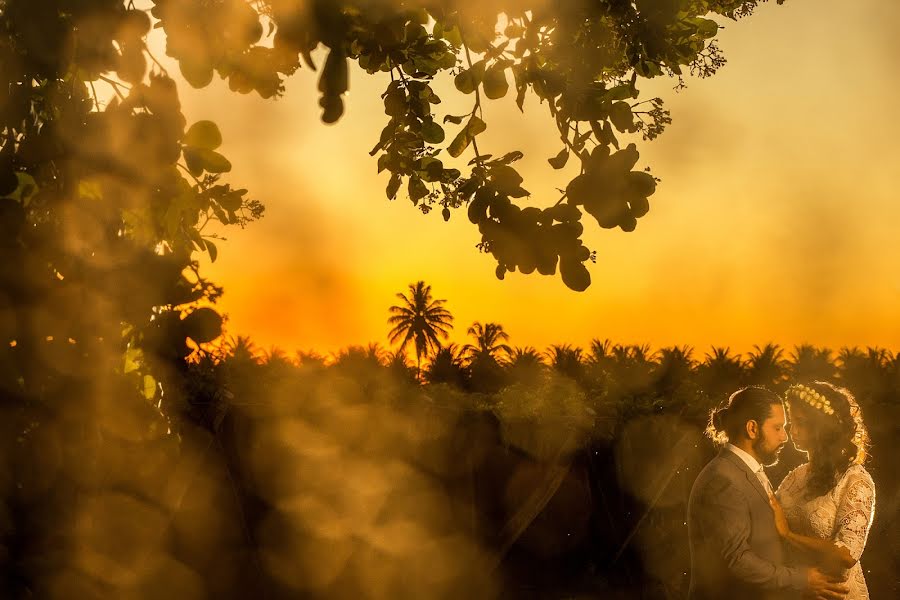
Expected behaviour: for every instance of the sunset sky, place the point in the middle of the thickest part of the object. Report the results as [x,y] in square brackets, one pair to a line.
[776,219]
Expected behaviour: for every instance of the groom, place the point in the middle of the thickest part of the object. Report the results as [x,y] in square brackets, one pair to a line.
[736,552]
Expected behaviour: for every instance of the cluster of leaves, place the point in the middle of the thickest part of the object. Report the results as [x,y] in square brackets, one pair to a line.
[581,58]
[113,197]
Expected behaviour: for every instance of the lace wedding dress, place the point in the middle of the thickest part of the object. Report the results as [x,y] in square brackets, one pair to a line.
[843,515]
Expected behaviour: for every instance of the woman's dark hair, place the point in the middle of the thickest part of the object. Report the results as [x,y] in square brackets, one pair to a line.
[728,421]
[837,434]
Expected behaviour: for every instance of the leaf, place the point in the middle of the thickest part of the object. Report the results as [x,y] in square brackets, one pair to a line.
[335,79]
[464,82]
[621,116]
[476,126]
[465,136]
[203,134]
[417,189]
[574,274]
[454,119]
[202,159]
[706,27]
[620,92]
[231,201]
[197,73]
[213,251]
[393,186]
[149,387]
[203,325]
[609,137]
[432,133]
[508,158]
[559,161]
[469,79]
[495,84]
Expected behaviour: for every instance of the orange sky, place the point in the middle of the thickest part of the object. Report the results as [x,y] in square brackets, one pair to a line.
[776,218]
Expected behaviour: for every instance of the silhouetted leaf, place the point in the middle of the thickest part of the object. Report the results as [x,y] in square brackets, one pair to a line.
[559,161]
[621,116]
[466,135]
[203,134]
[417,189]
[203,325]
[495,84]
[213,251]
[432,133]
[393,186]
[197,73]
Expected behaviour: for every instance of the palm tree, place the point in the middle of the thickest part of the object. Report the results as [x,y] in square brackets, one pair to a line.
[601,351]
[567,360]
[360,357]
[489,343]
[419,319]
[766,365]
[309,358]
[486,357]
[721,373]
[446,367]
[675,367]
[241,349]
[808,363]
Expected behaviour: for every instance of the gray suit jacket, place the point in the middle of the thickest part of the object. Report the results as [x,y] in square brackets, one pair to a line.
[736,552]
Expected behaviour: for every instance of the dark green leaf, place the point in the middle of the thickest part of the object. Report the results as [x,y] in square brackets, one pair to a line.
[393,186]
[203,134]
[495,84]
[417,189]
[432,133]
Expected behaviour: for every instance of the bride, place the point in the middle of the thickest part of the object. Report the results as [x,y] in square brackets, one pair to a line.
[824,507]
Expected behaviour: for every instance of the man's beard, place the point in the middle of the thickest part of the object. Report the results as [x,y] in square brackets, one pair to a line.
[767,458]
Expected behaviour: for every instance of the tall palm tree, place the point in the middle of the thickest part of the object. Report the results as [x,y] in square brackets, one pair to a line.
[766,365]
[489,343]
[419,319]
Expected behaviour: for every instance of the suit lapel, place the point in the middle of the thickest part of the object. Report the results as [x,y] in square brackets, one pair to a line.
[750,475]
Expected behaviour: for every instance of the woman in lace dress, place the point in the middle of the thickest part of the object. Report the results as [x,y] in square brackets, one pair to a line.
[824,507]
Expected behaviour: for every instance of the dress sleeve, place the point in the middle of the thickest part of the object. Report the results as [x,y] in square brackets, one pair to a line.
[855,509]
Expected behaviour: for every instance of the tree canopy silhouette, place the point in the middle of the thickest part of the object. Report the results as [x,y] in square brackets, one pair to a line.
[106,204]
[419,319]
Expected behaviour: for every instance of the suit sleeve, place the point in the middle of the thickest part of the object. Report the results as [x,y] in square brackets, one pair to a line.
[723,519]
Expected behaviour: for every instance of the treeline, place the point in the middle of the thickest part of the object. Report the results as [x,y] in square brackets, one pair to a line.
[510,471]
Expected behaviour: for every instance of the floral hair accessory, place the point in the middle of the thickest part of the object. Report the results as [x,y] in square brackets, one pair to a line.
[811,397]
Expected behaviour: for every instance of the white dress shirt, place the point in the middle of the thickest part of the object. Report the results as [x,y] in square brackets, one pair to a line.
[754,466]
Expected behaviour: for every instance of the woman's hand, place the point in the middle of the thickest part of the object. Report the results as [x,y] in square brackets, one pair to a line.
[781,523]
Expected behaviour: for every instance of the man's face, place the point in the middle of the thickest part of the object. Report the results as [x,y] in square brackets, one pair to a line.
[772,436]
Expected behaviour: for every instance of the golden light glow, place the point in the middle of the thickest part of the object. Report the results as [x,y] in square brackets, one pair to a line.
[775,219]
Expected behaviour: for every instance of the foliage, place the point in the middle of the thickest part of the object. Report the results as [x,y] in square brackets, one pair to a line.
[583,59]
[419,319]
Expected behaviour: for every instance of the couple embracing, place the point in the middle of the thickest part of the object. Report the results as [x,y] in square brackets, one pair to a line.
[803,540]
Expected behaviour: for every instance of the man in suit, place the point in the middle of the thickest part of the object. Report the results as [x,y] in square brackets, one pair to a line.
[736,552]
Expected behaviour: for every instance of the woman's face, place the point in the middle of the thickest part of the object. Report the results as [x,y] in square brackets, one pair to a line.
[799,428]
